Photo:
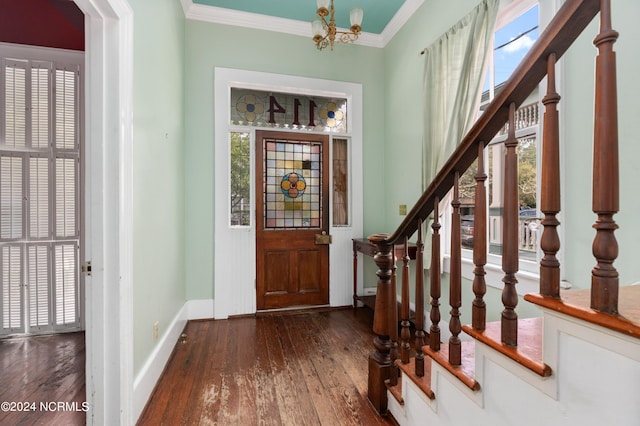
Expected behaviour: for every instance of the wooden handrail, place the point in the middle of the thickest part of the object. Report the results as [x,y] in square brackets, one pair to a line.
[561,32]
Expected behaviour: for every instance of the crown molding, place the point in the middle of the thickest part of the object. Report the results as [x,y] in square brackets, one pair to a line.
[409,7]
[217,15]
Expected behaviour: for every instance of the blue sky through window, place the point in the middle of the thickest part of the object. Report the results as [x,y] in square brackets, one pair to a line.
[511,44]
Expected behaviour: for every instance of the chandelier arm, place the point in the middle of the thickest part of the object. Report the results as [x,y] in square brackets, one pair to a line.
[332,34]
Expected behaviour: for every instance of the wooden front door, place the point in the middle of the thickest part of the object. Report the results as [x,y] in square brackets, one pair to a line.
[292,186]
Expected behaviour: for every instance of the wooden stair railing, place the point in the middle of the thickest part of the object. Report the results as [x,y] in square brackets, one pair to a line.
[562,31]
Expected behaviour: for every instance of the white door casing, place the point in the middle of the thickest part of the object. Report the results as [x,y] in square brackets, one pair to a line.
[108,206]
[234,275]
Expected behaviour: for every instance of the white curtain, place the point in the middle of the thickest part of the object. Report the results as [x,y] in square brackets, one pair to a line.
[453,78]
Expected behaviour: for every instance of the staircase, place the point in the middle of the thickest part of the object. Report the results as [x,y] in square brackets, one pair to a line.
[577,364]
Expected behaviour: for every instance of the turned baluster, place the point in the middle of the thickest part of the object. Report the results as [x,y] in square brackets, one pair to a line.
[380,360]
[509,323]
[419,334]
[606,186]
[394,371]
[455,285]
[479,308]
[405,335]
[434,281]
[550,198]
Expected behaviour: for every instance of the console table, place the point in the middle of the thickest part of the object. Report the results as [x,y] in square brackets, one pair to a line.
[362,245]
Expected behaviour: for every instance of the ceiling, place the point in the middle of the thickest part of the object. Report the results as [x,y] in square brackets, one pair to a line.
[382,18]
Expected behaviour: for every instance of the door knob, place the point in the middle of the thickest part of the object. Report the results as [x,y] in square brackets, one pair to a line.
[323,238]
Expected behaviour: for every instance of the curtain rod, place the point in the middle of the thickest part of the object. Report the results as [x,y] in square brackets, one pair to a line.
[423,51]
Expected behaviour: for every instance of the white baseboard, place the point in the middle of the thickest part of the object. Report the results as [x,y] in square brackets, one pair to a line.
[199,309]
[150,372]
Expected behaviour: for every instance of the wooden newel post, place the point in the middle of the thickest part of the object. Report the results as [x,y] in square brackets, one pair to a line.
[380,360]
[606,186]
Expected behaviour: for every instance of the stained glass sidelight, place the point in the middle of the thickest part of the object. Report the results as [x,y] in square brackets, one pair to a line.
[340,182]
[293,183]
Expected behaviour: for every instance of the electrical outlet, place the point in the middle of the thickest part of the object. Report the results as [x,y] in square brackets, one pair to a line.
[155,331]
[403,209]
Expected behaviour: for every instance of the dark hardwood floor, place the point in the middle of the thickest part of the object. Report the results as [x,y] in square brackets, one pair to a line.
[306,368]
[42,380]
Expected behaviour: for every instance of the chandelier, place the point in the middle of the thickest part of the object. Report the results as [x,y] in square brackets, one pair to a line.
[325,34]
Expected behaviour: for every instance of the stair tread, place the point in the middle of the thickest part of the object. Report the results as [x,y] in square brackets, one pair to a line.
[529,350]
[424,382]
[466,371]
[396,391]
[577,304]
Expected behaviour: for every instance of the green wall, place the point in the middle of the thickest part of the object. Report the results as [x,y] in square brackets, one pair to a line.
[404,67]
[158,170]
[213,45]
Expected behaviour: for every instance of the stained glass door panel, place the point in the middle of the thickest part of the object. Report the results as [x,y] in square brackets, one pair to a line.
[293,173]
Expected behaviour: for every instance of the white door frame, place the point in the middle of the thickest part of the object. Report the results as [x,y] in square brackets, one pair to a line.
[108,210]
[235,250]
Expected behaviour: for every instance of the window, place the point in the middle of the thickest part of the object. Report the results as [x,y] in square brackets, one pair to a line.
[240,179]
[340,182]
[517,28]
[526,132]
[39,195]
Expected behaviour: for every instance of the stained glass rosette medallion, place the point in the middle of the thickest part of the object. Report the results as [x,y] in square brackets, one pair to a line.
[293,181]
[287,111]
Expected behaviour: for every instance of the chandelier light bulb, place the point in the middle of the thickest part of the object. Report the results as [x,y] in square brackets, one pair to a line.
[317,29]
[323,7]
[355,15]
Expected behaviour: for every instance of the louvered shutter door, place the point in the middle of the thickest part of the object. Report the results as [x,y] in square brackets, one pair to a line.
[66,270]
[39,191]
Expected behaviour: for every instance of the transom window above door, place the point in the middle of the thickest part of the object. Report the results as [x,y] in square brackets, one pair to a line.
[287,111]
